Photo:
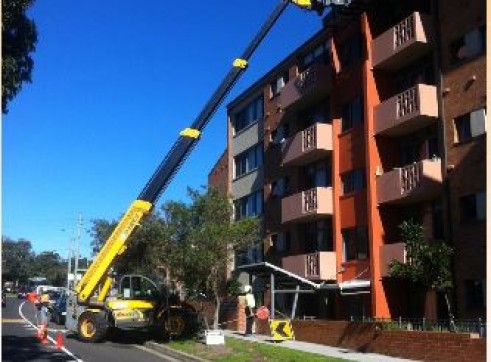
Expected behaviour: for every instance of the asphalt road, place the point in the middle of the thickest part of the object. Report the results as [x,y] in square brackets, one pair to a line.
[20,343]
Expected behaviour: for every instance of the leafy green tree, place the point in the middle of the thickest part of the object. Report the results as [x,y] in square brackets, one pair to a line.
[428,262]
[202,240]
[50,265]
[19,38]
[139,258]
[17,258]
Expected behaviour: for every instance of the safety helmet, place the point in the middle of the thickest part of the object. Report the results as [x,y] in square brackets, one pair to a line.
[247,289]
[44,298]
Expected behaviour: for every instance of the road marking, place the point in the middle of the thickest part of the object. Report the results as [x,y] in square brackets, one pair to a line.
[12,320]
[158,354]
[49,338]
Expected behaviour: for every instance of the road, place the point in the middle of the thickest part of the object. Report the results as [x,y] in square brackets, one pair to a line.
[20,343]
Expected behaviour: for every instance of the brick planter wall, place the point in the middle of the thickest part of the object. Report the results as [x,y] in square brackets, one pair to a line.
[365,337]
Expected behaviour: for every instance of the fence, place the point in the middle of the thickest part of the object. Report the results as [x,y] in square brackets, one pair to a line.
[477,326]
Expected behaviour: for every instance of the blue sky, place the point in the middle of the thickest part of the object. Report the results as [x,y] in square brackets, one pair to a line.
[114,82]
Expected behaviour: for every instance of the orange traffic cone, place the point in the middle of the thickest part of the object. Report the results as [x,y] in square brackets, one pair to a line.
[59,340]
[45,335]
[39,332]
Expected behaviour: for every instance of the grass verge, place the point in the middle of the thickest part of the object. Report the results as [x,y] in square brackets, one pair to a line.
[236,350]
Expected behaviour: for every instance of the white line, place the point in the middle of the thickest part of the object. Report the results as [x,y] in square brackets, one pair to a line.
[155,353]
[49,338]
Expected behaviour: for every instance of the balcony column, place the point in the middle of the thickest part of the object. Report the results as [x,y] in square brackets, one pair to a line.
[371,97]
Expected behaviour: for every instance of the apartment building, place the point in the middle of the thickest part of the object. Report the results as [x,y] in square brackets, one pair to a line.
[378,118]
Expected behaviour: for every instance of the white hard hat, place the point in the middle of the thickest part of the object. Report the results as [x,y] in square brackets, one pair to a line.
[247,288]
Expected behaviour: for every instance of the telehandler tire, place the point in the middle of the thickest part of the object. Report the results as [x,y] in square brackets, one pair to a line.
[92,327]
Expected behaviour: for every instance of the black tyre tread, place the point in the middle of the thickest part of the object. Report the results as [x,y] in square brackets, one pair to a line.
[100,327]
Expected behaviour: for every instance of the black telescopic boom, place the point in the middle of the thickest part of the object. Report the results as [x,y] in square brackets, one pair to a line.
[183,146]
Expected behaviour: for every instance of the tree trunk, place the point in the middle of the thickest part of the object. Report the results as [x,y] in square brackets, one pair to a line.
[430,305]
[217,312]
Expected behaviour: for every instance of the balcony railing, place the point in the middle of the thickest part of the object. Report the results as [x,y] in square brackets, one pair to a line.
[314,266]
[308,145]
[413,183]
[403,43]
[407,112]
[309,204]
[312,84]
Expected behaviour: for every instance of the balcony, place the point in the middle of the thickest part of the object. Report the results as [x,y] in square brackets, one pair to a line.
[407,112]
[309,86]
[403,43]
[410,184]
[315,266]
[309,145]
[389,253]
[307,205]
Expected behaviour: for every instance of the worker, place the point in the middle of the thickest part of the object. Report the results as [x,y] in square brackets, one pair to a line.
[43,308]
[250,305]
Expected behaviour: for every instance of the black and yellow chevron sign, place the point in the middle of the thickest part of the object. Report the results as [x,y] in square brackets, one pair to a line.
[281,329]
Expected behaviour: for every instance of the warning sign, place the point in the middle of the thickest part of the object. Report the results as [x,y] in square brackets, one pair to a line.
[281,329]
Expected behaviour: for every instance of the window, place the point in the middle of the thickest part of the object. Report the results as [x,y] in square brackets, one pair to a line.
[353,181]
[470,125]
[468,46]
[318,236]
[355,243]
[473,207]
[475,292]
[318,175]
[281,133]
[280,187]
[281,241]
[251,113]
[352,114]
[250,205]
[320,54]
[315,114]
[248,161]
[278,84]
[349,51]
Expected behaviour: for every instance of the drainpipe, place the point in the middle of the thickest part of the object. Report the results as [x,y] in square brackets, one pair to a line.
[442,129]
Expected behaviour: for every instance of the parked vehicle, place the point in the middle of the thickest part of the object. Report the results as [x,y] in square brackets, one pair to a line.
[58,310]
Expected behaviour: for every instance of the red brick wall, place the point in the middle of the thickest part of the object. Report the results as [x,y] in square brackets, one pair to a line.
[365,337]
[218,176]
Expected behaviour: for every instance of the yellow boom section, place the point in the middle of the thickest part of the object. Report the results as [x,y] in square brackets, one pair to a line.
[114,246]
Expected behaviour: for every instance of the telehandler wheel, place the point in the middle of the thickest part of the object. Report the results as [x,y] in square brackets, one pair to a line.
[92,327]
[174,324]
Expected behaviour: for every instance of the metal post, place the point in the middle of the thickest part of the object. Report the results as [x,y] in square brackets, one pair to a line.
[77,250]
[295,300]
[69,269]
[272,295]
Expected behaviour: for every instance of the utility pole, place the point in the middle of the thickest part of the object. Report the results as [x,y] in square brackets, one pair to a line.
[77,247]
[69,268]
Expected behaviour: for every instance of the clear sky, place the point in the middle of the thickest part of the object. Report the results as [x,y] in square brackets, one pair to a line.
[114,82]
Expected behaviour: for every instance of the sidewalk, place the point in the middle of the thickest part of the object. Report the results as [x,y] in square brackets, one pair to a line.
[318,348]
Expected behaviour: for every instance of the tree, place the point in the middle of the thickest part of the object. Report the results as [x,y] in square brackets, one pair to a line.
[202,239]
[139,258]
[19,38]
[17,258]
[50,265]
[428,262]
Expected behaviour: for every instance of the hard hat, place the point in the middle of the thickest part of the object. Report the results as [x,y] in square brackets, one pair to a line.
[44,298]
[247,289]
